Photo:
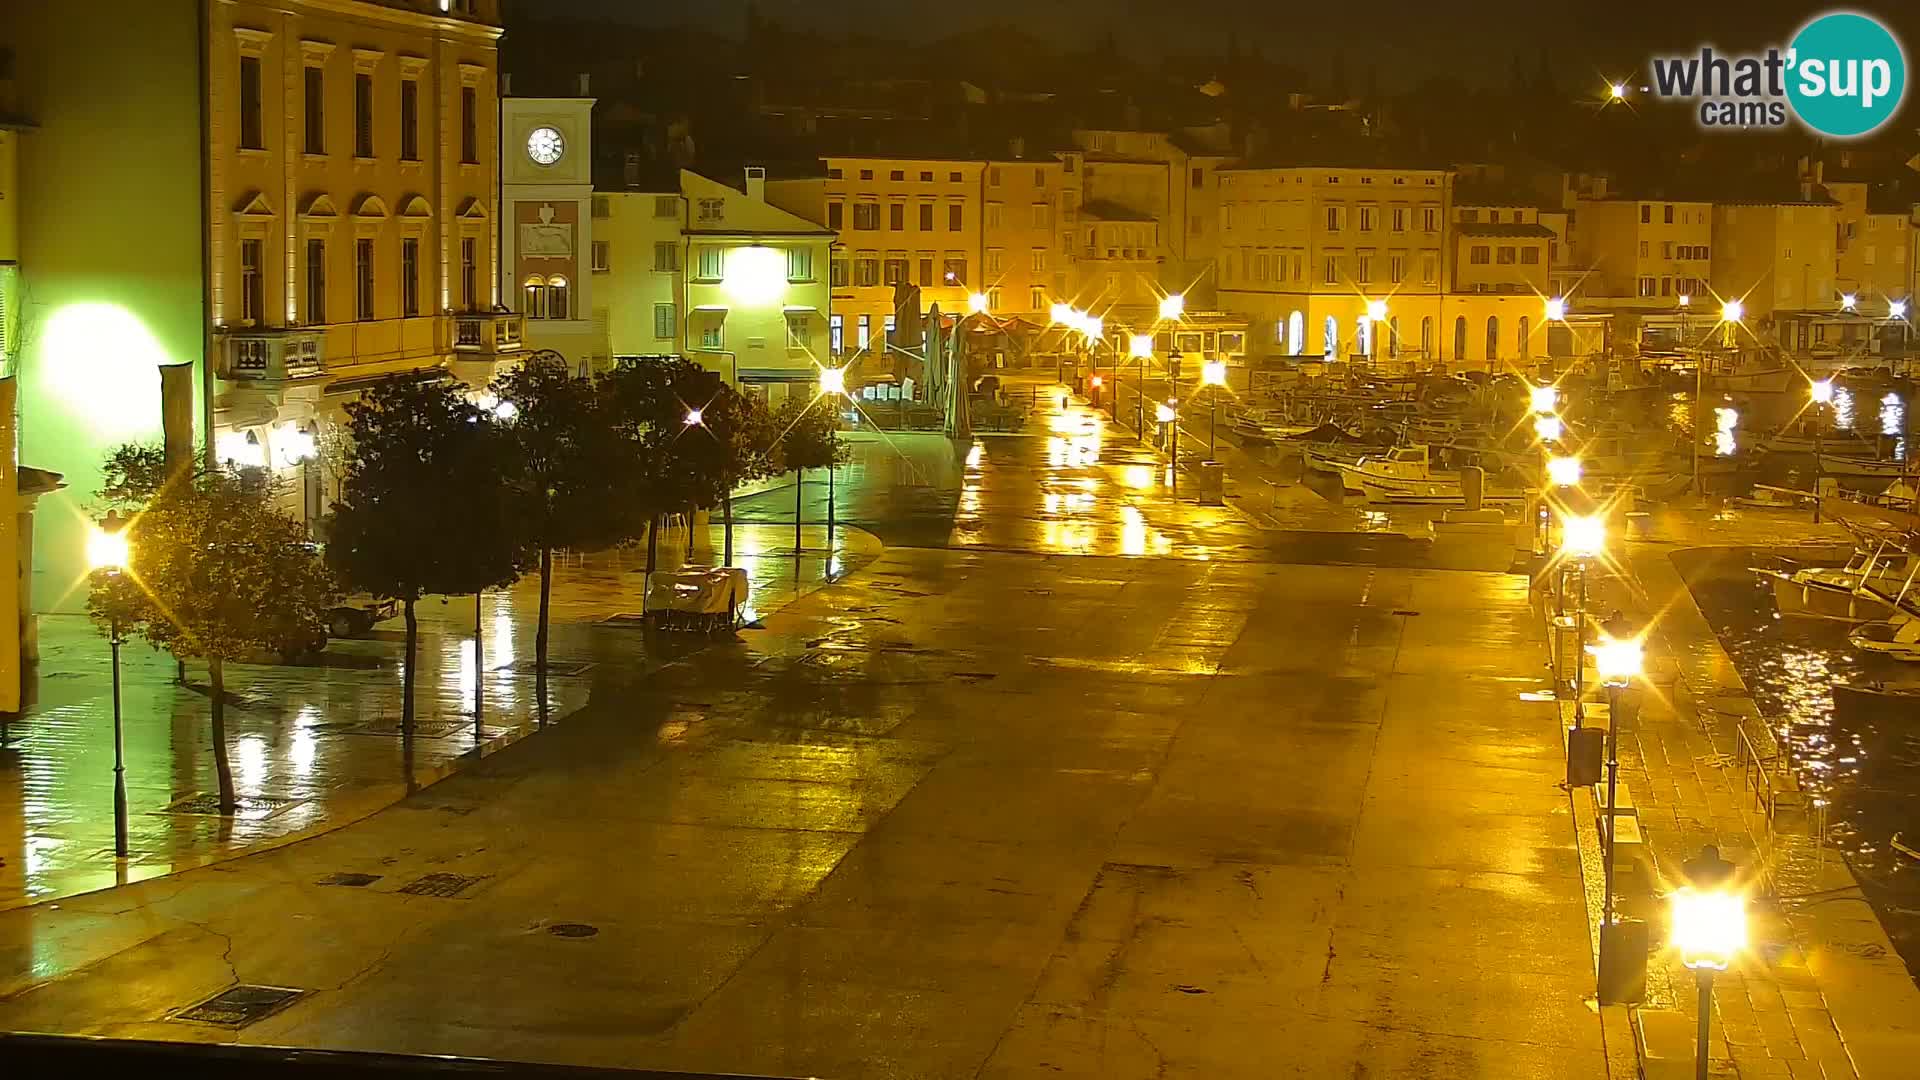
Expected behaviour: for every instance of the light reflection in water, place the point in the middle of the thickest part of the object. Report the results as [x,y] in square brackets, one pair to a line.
[1893,421]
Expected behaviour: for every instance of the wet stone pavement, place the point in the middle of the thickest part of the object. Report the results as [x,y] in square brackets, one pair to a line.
[1095,783]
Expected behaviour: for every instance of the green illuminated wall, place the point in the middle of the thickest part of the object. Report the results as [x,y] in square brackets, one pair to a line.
[111,249]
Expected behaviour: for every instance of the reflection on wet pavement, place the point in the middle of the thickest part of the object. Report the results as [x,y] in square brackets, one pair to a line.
[314,746]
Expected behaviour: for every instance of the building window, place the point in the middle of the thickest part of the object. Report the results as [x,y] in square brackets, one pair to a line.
[1429,268]
[363,115]
[895,270]
[663,322]
[250,105]
[1426,335]
[712,211]
[1460,337]
[1365,266]
[1399,219]
[1669,213]
[1524,333]
[557,297]
[926,176]
[363,280]
[954,211]
[1480,255]
[1366,219]
[836,174]
[1493,337]
[409,120]
[953,178]
[993,176]
[866,216]
[666,206]
[316,282]
[712,336]
[253,292]
[1646,214]
[1530,255]
[469,125]
[666,256]
[1646,286]
[897,175]
[1333,219]
[994,261]
[925,278]
[712,263]
[1397,269]
[600,255]
[1036,299]
[993,215]
[410,276]
[1038,263]
[861,331]
[866,174]
[836,333]
[993,299]
[469,273]
[1331,268]
[836,216]
[926,217]
[533,298]
[866,269]
[896,216]
[1505,256]
[315,107]
[1643,249]
[840,276]
[799,330]
[799,264]
[954,270]
[1429,219]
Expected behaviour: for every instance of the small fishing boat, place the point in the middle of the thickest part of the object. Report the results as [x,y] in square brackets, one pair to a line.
[1844,466]
[1898,637]
[1876,701]
[1803,442]
[1756,381]
[1405,475]
[1856,592]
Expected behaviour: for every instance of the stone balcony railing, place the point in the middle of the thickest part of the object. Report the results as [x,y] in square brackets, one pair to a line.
[479,334]
[272,354]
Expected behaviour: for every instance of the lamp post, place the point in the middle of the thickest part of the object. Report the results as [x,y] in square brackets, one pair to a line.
[1618,663]
[1709,926]
[1376,318]
[107,553]
[1581,539]
[833,383]
[1167,413]
[1213,375]
[1141,346]
[1822,395]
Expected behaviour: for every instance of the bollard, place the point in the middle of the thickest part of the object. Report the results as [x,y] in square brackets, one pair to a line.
[1473,485]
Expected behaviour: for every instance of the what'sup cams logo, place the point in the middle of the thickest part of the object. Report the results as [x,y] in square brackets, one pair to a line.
[1843,75]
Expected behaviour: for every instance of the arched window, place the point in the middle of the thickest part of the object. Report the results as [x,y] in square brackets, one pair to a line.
[1460,338]
[533,298]
[1493,338]
[1393,337]
[1426,336]
[1330,332]
[1523,337]
[556,297]
[1297,332]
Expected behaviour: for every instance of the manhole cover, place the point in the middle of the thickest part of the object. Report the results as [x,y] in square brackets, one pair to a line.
[442,885]
[554,667]
[572,930]
[250,808]
[238,1006]
[351,881]
[431,728]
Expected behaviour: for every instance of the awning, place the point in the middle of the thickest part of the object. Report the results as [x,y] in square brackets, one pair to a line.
[360,383]
[779,375]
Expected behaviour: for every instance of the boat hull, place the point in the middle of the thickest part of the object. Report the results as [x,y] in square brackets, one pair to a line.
[1813,600]
[1856,703]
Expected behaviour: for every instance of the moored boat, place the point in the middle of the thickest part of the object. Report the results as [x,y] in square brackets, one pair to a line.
[1898,637]
[1876,701]
[1861,590]
[1405,475]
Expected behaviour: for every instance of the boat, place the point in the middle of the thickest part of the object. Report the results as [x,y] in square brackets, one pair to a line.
[1876,701]
[1802,442]
[1755,381]
[1898,637]
[1405,475]
[1850,593]
[1844,466]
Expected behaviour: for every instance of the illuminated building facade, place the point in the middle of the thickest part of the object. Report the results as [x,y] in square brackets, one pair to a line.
[315,182]
[546,197]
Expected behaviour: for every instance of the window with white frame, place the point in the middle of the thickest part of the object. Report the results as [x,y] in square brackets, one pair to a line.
[666,206]
[666,256]
[712,211]
[836,333]
[1038,262]
[600,258]
[799,330]
[800,264]
[712,264]
[663,322]
[557,297]
[1036,299]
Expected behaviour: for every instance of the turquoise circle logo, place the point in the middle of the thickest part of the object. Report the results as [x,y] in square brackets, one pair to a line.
[1846,74]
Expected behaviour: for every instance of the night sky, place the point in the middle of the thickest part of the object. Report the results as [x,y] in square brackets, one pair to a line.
[1404,40]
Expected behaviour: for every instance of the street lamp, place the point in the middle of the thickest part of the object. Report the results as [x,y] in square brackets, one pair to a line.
[1617,91]
[1544,399]
[1213,375]
[1376,318]
[108,551]
[1548,428]
[1167,414]
[1731,311]
[1173,306]
[1709,926]
[1564,471]
[977,303]
[1848,301]
[833,383]
[1821,393]
[1557,309]
[693,418]
[1582,539]
[1617,662]
[1140,346]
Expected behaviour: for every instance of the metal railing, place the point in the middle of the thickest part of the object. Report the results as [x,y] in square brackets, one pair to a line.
[65,1055]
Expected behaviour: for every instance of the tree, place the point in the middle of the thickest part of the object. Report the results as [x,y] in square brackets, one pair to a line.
[424,465]
[745,428]
[807,441]
[567,473]
[214,571]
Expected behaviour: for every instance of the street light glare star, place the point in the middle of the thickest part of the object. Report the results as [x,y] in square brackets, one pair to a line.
[1141,345]
[977,303]
[1823,391]
[1685,300]
[1564,471]
[1583,537]
[1848,301]
[1543,399]
[1377,310]
[1557,309]
[107,548]
[693,417]
[1618,91]
[1896,309]
[833,380]
[1709,926]
[1214,373]
[1617,661]
[1173,305]
[1549,428]
[1732,310]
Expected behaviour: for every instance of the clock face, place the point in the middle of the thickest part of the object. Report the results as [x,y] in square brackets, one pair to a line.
[544,145]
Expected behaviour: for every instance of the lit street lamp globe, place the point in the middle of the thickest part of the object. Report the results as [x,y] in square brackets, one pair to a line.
[107,548]
[1548,428]
[1583,537]
[1822,391]
[1544,398]
[833,380]
[1732,311]
[1163,412]
[693,417]
[1214,373]
[1377,310]
[1172,306]
[1564,471]
[1709,927]
[1557,309]
[1140,345]
[1618,661]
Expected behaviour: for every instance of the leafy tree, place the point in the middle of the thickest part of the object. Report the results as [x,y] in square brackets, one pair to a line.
[567,473]
[807,441]
[744,426]
[424,464]
[214,571]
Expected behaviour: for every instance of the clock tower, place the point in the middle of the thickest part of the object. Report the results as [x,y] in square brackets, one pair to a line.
[546,206]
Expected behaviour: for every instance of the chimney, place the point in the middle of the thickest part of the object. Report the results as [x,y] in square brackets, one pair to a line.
[1017,146]
[757,183]
[586,87]
[506,84]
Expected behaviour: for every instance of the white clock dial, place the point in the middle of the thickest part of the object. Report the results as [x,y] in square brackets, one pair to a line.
[544,145]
